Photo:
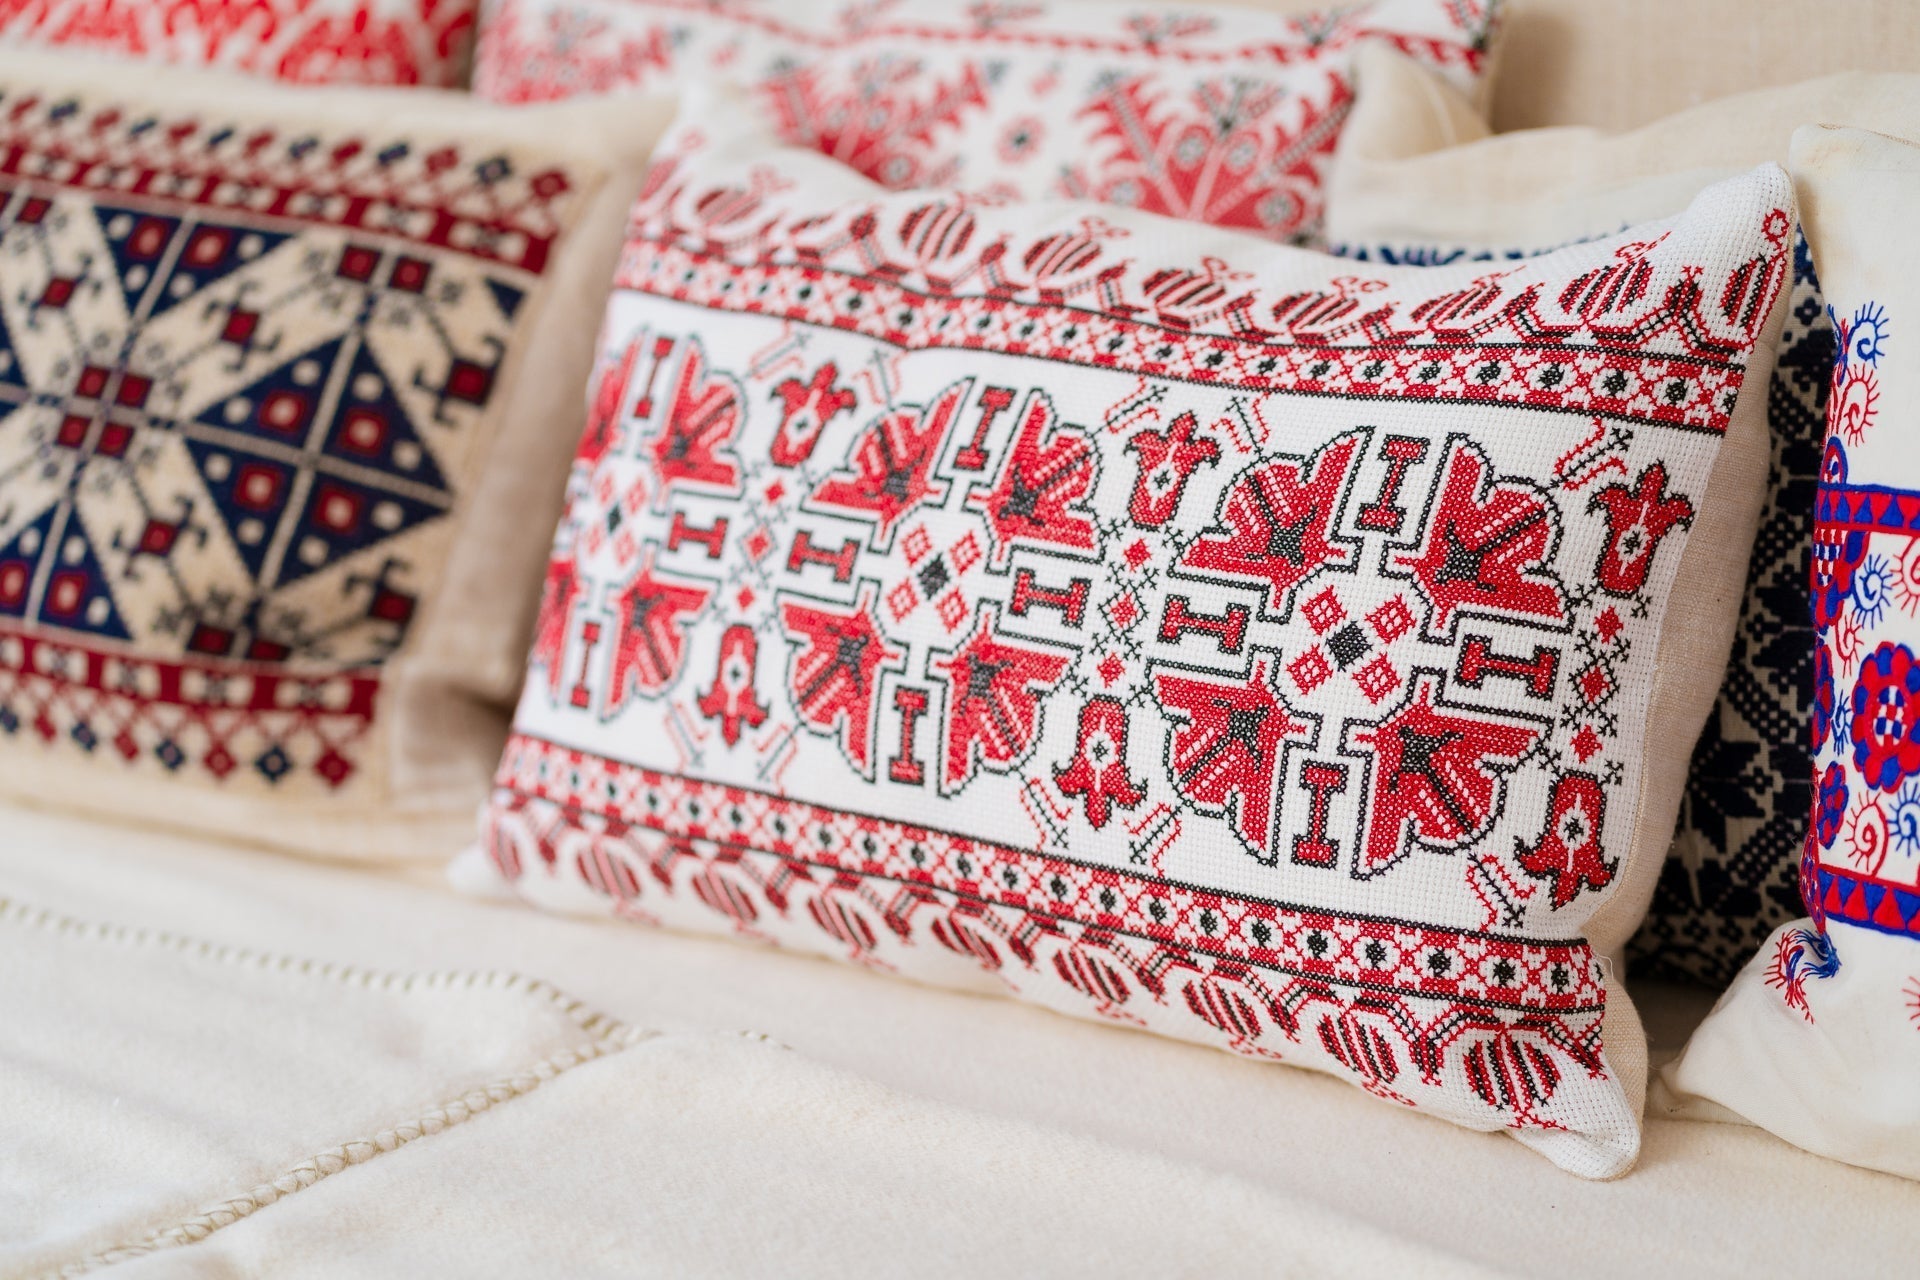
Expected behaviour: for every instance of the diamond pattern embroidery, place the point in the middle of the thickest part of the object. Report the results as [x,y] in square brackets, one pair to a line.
[241,377]
[218,437]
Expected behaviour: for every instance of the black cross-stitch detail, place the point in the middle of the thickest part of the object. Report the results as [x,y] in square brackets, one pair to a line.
[1732,876]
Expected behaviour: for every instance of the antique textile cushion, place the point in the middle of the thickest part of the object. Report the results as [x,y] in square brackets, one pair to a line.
[1164,625]
[392,42]
[289,379]
[1419,180]
[1221,115]
[1819,1037]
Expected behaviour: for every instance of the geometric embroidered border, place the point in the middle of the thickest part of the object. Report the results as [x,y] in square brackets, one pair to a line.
[1376,954]
[477,205]
[1320,345]
[1866,507]
[217,715]
[1867,902]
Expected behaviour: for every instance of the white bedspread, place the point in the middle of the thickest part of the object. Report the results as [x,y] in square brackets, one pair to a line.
[215,1062]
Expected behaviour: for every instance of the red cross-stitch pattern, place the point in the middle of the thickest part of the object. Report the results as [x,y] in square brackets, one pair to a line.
[1432,1002]
[1254,674]
[709,822]
[1664,357]
[389,42]
[1224,117]
[206,717]
[438,197]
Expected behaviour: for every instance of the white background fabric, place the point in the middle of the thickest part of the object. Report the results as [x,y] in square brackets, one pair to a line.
[901,1116]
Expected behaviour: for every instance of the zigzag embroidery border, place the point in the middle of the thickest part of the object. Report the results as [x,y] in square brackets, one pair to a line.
[190,711]
[1867,902]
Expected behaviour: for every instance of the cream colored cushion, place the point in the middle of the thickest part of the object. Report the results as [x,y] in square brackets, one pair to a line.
[1622,63]
[600,810]
[293,376]
[1221,115]
[1417,165]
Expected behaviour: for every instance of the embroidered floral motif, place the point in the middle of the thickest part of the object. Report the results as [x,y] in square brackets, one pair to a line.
[1833,805]
[1801,954]
[1732,878]
[1886,709]
[1260,665]
[1860,870]
[1229,119]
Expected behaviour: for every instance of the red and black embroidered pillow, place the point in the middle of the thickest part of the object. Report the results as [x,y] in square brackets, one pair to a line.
[1221,115]
[273,367]
[387,42]
[1163,625]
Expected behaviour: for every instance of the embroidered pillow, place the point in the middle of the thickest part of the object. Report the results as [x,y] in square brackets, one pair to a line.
[1819,1037]
[1160,624]
[288,384]
[1397,196]
[391,42]
[1219,115]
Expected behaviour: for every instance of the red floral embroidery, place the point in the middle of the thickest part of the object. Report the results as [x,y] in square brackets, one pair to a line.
[1229,119]
[1571,853]
[1886,716]
[1637,520]
[1098,770]
[392,42]
[1117,593]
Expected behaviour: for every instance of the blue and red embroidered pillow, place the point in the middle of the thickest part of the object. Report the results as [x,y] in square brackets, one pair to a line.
[1159,624]
[272,366]
[1819,1037]
[386,42]
[1220,115]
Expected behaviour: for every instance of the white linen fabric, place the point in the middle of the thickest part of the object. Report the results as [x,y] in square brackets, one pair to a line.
[898,1115]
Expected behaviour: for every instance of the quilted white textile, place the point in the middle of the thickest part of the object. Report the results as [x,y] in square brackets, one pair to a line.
[901,1104]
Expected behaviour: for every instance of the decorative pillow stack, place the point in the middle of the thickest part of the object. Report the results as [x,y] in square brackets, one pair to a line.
[1420,180]
[390,42]
[1219,115]
[1819,1038]
[1162,625]
[289,379]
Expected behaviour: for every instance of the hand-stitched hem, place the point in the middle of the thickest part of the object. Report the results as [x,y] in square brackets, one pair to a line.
[608,1036]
